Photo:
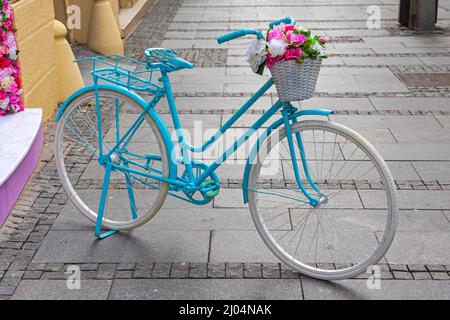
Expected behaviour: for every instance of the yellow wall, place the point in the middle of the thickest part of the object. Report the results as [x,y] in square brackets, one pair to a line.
[81,35]
[35,39]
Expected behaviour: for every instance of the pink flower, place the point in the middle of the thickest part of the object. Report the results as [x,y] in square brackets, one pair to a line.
[14,99]
[5,63]
[271,60]
[293,54]
[288,27]
[294,38]
[276,33]
[322,40]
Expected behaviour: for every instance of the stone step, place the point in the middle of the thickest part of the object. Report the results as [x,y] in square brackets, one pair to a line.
[129,18]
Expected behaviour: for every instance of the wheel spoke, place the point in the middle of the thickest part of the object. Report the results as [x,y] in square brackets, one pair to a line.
[132,198]
[336,237]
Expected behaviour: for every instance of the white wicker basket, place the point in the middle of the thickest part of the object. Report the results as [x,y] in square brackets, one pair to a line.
[296,81]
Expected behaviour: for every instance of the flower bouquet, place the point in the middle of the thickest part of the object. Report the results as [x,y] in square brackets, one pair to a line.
[294,58]
[10,84]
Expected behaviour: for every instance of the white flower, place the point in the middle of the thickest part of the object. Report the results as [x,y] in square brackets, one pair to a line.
[256,54]
[277,47]
[7,81]
[4,104]
[321,53]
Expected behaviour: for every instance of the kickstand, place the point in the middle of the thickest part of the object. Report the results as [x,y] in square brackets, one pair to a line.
[101,209]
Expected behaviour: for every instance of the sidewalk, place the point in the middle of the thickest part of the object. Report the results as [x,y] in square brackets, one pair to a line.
[214,252]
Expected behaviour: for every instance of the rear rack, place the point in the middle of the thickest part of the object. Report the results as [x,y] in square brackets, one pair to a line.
[125,72]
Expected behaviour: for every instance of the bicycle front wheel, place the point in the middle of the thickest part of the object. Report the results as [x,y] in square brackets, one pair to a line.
[355,222]
[132,199]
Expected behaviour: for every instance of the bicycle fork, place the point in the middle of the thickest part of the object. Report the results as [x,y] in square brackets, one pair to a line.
[287,110]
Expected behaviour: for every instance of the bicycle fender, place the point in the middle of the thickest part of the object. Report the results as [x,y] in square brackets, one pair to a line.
[139,100]
[274,126]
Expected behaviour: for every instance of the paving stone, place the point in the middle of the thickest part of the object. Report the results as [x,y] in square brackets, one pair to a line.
[271,270]
[198,270]
[89,267]
[252,270]
[239,246]
[202,219]
[143,270]
[179,270]
[4,266]
[417,268]
[358,80]
[435,267]
[423,221]
[419,248]
[32,275]
[288,273]
[422,275]
[433,170]
[387,103]
[106,271]
[216,270]
[126,266]
[89,275]
[410,199]
[399,267]
[440,276]
[57,290]
[400,275]
[58,275]
[207,289]
[386,275]
[71,246]
[6,290]
[390,290]
[161,270]
[54,267]
[124,274]
[234,270]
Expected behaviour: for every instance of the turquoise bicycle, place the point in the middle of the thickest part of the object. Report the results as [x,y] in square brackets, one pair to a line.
[320,195]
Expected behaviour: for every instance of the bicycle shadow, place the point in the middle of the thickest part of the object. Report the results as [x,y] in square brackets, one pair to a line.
[353,289]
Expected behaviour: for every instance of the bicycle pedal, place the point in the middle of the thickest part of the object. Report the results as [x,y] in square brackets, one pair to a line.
[211,193]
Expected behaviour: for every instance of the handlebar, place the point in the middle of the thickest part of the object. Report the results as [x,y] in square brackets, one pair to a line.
[238,34]
[287,20]
[244,32]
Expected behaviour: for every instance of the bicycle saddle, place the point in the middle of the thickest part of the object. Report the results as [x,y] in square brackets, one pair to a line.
[167,59]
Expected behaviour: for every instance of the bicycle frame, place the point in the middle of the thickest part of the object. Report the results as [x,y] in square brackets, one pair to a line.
[289,114]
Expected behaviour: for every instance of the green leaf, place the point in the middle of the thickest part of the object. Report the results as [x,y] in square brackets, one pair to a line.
[261,69]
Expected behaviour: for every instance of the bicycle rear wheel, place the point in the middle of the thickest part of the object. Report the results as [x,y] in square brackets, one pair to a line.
[356,221]
[132,199]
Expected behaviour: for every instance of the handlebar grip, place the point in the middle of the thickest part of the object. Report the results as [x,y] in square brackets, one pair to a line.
[231,36]
[239,33]
[287,20]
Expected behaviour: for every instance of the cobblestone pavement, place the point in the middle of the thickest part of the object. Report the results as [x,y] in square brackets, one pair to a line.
[370,80]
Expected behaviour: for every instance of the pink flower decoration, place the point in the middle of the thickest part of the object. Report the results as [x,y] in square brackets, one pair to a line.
[11,85]
[294,38]
[271,60]
[276,34]
[288,27]
[293,54]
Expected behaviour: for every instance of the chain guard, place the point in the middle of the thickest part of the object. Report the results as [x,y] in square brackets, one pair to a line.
[210,187]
